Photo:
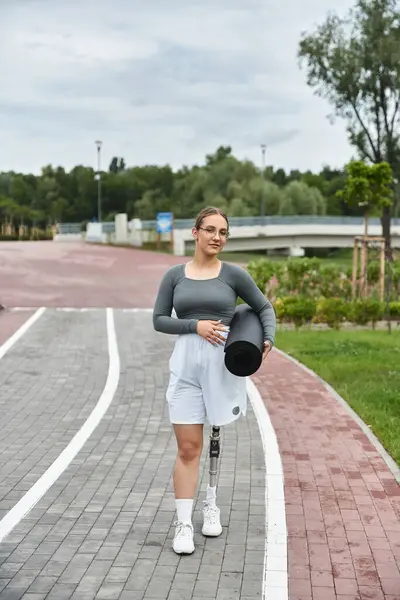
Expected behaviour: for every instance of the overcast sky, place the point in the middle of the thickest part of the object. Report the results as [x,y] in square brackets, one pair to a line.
[161,81]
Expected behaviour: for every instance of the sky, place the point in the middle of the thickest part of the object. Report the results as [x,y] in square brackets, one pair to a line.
[161,82]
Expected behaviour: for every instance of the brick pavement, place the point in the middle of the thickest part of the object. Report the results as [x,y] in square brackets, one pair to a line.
[342,501]
[11,321]
[49,383]
[79,275]
[104,529]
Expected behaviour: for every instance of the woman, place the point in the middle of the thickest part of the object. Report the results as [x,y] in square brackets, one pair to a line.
[203,293]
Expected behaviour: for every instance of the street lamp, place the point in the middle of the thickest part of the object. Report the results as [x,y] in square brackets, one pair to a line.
[98,177]
[262,210]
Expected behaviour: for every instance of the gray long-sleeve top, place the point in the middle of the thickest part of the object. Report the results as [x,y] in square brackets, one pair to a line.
[208,299]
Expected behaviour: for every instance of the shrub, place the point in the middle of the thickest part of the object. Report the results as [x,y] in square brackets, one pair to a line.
[280,309]
[315,280]
[262,271]
[332,282]
[365,310]
[299,310]
[300,270]
[331,311]
[373,271]
[395,309]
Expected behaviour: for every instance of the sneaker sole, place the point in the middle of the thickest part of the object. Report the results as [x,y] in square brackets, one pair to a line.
[215,533]
[183,551]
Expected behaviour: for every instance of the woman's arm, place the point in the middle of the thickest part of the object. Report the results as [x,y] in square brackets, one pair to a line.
[247,289]
[162,320]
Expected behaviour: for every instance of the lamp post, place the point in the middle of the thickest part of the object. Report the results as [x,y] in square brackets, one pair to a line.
[262,209]
[98,144]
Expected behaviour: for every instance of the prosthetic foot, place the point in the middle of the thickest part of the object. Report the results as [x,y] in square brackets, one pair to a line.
[211,514]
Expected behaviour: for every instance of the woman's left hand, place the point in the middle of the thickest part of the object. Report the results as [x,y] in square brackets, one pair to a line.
[267,349]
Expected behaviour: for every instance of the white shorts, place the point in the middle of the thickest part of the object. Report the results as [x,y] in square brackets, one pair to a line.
[200,386]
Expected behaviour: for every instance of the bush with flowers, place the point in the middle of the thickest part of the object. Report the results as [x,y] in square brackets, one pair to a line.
[308,290]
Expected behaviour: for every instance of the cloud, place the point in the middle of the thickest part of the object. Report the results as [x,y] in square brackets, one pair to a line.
[160,82]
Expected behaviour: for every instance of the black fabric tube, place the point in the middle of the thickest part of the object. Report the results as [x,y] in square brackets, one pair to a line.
[244,345]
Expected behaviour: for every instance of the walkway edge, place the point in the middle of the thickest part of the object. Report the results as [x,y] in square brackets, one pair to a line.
[275,569]
[390,462]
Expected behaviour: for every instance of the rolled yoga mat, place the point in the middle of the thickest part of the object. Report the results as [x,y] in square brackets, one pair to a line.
[244,344]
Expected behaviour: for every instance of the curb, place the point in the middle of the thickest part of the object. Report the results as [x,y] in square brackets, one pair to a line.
[390,462]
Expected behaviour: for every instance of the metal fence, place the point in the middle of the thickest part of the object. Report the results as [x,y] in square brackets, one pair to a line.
[278,220]
[109,226]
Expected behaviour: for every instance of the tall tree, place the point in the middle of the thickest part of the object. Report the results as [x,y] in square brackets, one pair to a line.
[354,63]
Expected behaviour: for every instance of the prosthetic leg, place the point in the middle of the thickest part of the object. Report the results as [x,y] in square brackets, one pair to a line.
[214,455]
[212,525]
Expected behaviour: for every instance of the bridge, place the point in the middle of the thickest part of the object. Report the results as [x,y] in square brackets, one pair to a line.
[289,235]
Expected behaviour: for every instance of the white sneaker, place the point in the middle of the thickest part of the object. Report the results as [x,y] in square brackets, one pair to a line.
[212,525]
[183,540]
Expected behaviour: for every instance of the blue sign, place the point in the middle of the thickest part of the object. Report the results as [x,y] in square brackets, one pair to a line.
[164,222]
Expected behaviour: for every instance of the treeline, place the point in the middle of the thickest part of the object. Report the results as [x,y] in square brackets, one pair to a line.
[237,186]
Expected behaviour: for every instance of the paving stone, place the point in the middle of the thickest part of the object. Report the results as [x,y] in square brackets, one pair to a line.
[110,591]
[61,591]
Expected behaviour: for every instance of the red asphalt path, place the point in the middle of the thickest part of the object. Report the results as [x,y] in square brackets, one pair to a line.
[342,501]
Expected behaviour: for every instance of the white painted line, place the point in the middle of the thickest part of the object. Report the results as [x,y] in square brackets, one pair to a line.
[135,310]
[37,491]
[390,462]
[80,309]
[275,571]
[8,344]
[77,309]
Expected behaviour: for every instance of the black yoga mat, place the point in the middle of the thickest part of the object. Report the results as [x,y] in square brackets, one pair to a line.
[244,345]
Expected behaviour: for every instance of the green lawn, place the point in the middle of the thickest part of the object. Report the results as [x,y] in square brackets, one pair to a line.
[340,257]
[363,367]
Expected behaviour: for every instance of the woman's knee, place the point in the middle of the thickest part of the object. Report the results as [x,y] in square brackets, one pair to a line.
[190,445]
[189,451]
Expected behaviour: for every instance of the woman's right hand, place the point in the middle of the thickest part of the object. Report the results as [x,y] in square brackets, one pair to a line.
[209,331]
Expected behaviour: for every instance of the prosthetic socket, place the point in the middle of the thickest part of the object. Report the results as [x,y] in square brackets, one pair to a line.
[214,454]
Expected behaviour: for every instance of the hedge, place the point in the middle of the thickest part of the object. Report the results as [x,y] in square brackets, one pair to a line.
[333,312]
[312,277]
[307,290]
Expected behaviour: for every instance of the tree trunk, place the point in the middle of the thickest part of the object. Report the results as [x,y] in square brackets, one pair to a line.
[385,221]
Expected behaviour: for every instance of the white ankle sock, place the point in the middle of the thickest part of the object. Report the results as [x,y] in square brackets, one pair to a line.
[184,510]
[211,494]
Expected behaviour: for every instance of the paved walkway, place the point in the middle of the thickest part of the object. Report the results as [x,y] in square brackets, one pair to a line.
[103,528]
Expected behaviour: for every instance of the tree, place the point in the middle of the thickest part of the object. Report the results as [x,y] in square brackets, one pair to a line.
[116,165]
[355,64]
[302,200]
[368,186]
[142,191]
[221,154]
[372,188]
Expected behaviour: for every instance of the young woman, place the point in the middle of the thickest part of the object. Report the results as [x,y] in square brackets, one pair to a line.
[203,293]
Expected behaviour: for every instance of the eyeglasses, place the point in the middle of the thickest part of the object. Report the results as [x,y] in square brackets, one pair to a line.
[211,232]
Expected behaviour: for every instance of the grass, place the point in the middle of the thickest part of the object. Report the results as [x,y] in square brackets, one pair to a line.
[342,257]
[363,367]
